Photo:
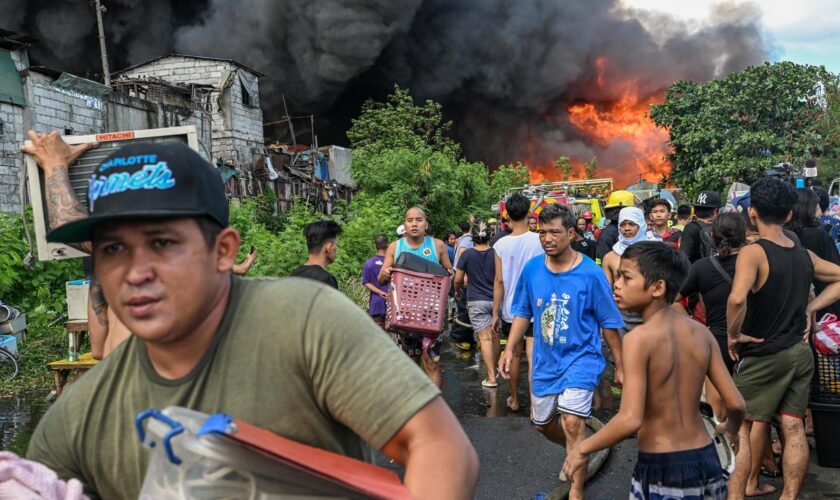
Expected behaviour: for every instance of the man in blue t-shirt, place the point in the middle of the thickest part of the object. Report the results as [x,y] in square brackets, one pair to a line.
[570,301]
[370,279]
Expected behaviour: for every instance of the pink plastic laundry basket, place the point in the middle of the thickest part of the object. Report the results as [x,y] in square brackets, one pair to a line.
[416,303]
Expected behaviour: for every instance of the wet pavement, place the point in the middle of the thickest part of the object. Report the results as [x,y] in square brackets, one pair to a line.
[518,463]
[19,415]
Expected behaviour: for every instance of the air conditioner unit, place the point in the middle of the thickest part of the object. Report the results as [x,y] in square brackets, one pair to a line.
[81,171]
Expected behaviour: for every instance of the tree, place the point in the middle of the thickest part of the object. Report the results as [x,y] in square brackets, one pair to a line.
[507,177]
[734,129]
[564,165]
[829,158]
[402,155]
[398,123]
[589,169]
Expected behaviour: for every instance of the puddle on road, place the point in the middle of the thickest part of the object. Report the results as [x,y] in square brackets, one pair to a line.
[18,417]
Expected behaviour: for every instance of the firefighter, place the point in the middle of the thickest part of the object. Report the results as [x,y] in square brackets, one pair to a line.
[609,235]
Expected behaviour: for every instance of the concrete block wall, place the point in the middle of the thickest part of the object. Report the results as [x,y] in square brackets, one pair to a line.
[47,109]
[125,112]
[51,109]
[236,129]
[229,134]
[11,160]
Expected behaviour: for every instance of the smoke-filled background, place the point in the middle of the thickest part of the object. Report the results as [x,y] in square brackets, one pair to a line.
[526,80]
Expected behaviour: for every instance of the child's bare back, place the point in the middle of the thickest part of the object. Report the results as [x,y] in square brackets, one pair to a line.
[665,362]
[677,351]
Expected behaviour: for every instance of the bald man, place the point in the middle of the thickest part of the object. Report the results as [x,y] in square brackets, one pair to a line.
[416,242]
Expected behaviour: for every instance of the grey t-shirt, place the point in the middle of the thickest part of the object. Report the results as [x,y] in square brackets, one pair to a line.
[464,241]
[307,378]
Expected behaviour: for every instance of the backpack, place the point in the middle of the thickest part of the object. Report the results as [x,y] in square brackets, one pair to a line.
[411,262]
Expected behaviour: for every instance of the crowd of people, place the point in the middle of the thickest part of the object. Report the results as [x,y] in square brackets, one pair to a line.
[689,302]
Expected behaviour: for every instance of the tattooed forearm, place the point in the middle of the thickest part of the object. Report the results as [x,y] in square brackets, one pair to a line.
[98,303]
[62,205]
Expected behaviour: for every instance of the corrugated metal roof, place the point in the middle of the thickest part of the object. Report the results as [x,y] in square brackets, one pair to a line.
[235,63]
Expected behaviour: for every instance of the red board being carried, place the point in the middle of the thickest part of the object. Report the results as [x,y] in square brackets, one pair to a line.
[196,455]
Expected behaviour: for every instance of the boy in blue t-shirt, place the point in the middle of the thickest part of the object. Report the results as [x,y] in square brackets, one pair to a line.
[570,301]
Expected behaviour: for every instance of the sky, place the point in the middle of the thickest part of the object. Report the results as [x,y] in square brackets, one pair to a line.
[802,31]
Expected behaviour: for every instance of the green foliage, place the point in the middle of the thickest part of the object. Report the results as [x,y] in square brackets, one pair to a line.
[736,128]
[398,123]
[264,212]
[403,158]
[355,290]
[42,284]
[564,165]
[39,292]
[589,168]
[829,161]
[367,216]
[507,177]
[278,254]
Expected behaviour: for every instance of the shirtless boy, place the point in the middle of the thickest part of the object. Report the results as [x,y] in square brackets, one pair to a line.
[666,360]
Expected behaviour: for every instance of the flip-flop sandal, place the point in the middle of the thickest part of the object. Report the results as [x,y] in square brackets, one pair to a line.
[490,385]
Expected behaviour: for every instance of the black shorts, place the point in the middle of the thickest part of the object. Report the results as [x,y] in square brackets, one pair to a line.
[505,330]
[679,474]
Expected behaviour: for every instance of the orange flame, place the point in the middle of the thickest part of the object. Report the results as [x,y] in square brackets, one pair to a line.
[604,124]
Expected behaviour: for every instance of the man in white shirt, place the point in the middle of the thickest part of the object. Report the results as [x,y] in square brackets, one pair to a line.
[512,252]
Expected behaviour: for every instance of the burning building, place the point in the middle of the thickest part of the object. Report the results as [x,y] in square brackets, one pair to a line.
[619,132]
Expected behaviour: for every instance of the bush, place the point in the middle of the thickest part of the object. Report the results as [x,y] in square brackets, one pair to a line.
[40,284]
[277,254]
[39,292]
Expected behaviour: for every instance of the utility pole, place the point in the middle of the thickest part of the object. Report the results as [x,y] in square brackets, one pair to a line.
[314,137]
[106,73]
[288,117]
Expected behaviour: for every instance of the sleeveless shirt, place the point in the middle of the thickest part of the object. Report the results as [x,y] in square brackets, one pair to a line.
[776,313]
[426,250]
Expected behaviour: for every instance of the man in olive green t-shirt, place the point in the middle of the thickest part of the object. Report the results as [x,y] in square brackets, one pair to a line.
[288,355]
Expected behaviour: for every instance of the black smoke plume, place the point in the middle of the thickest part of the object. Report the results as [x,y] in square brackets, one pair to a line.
[500,67]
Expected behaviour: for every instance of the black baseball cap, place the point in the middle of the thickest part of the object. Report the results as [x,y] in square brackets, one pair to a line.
[708,199]
[149,180]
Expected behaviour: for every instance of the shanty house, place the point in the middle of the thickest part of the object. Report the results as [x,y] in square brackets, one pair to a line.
[237,120]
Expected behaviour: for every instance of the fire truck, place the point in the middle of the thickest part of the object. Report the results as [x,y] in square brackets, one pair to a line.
[580,196]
